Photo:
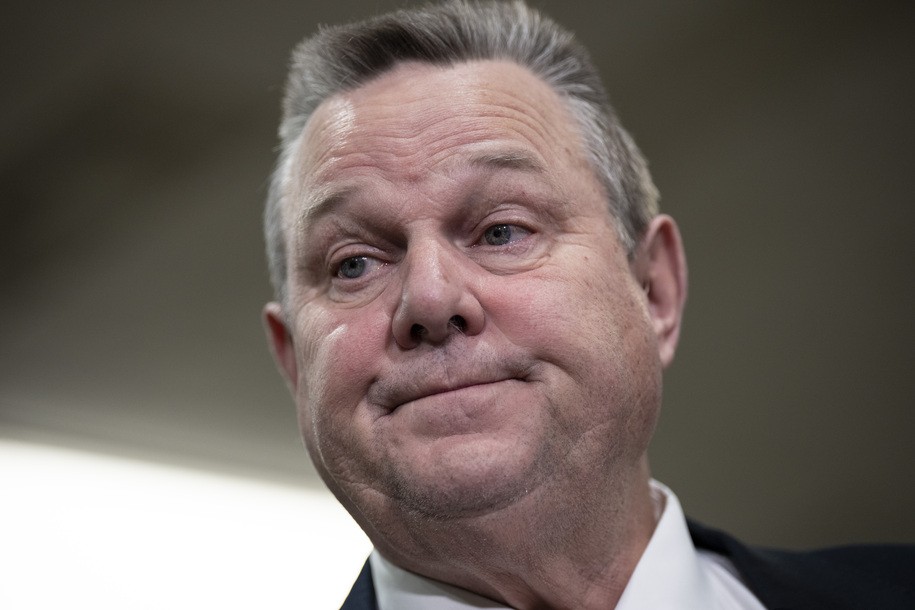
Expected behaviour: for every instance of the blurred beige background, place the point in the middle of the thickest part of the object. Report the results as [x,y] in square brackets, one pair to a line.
[136,142]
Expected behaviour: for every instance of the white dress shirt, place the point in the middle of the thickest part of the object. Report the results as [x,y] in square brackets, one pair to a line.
[671,574]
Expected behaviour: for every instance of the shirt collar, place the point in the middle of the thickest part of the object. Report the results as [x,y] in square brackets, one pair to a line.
[669,558]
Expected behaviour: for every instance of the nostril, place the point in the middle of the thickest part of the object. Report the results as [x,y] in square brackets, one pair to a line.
[459,323]
[417,331]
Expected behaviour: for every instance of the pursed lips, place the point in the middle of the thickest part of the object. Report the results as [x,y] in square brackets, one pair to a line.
[437,390]
[399,386]
[434,374]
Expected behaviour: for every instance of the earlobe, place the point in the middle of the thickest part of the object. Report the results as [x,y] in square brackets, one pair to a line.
[662,273]
[281,343]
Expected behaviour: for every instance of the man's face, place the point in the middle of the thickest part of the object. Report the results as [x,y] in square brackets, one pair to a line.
[464,327]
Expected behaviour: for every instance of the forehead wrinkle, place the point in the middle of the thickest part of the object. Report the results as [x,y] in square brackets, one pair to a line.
[487,107]
[333,119]
[398,145]
[326,201]
[512,118]
[512,145]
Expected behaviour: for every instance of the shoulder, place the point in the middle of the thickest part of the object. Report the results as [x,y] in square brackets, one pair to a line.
[858,576]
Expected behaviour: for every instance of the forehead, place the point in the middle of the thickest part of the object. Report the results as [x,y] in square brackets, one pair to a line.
[419,121]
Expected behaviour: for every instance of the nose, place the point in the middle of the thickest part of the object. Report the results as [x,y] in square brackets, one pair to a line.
[437,299]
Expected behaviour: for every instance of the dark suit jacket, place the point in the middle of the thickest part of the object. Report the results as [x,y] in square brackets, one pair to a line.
[852,577]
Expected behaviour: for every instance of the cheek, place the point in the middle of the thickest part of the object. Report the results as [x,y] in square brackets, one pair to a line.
[595,337]
[569,317]
[338,360]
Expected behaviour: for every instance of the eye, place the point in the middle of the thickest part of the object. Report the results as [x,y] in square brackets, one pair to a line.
[355,267]
[499,235]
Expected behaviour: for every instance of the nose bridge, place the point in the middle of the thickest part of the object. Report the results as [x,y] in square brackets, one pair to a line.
[429,282]
[427,267]
[436,299]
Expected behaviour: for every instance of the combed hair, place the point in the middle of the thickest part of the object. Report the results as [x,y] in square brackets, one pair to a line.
[341,58]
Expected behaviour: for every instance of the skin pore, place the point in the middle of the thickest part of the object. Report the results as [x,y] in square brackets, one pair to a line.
[475,360]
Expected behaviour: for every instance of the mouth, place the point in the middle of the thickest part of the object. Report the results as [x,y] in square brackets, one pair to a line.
[442,391]
[468,376]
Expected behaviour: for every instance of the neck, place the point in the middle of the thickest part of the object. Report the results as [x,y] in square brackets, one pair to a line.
[542,551]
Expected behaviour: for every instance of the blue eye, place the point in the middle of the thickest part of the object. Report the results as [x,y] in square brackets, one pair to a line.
[499,235]
[352,268]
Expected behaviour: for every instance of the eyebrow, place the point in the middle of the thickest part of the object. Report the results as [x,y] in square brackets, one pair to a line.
[319,205]
[516,160]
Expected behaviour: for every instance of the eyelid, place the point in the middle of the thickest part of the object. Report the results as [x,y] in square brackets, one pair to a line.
[510,212]
[338,256]
[343,289]
[516,225]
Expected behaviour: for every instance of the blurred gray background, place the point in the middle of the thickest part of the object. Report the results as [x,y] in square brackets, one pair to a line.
[136,141]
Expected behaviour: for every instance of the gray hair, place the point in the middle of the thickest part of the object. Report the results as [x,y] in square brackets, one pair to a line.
[342,58]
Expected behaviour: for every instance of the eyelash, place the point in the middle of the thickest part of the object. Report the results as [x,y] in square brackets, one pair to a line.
[513,228]
[337,269]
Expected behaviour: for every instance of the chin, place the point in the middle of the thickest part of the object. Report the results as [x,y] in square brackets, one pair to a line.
[466,482]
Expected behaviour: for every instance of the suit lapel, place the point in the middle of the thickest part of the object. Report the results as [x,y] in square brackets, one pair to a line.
[362,595]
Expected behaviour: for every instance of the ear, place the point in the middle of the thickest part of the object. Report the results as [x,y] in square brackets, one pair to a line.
[281,344]
[661,269]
